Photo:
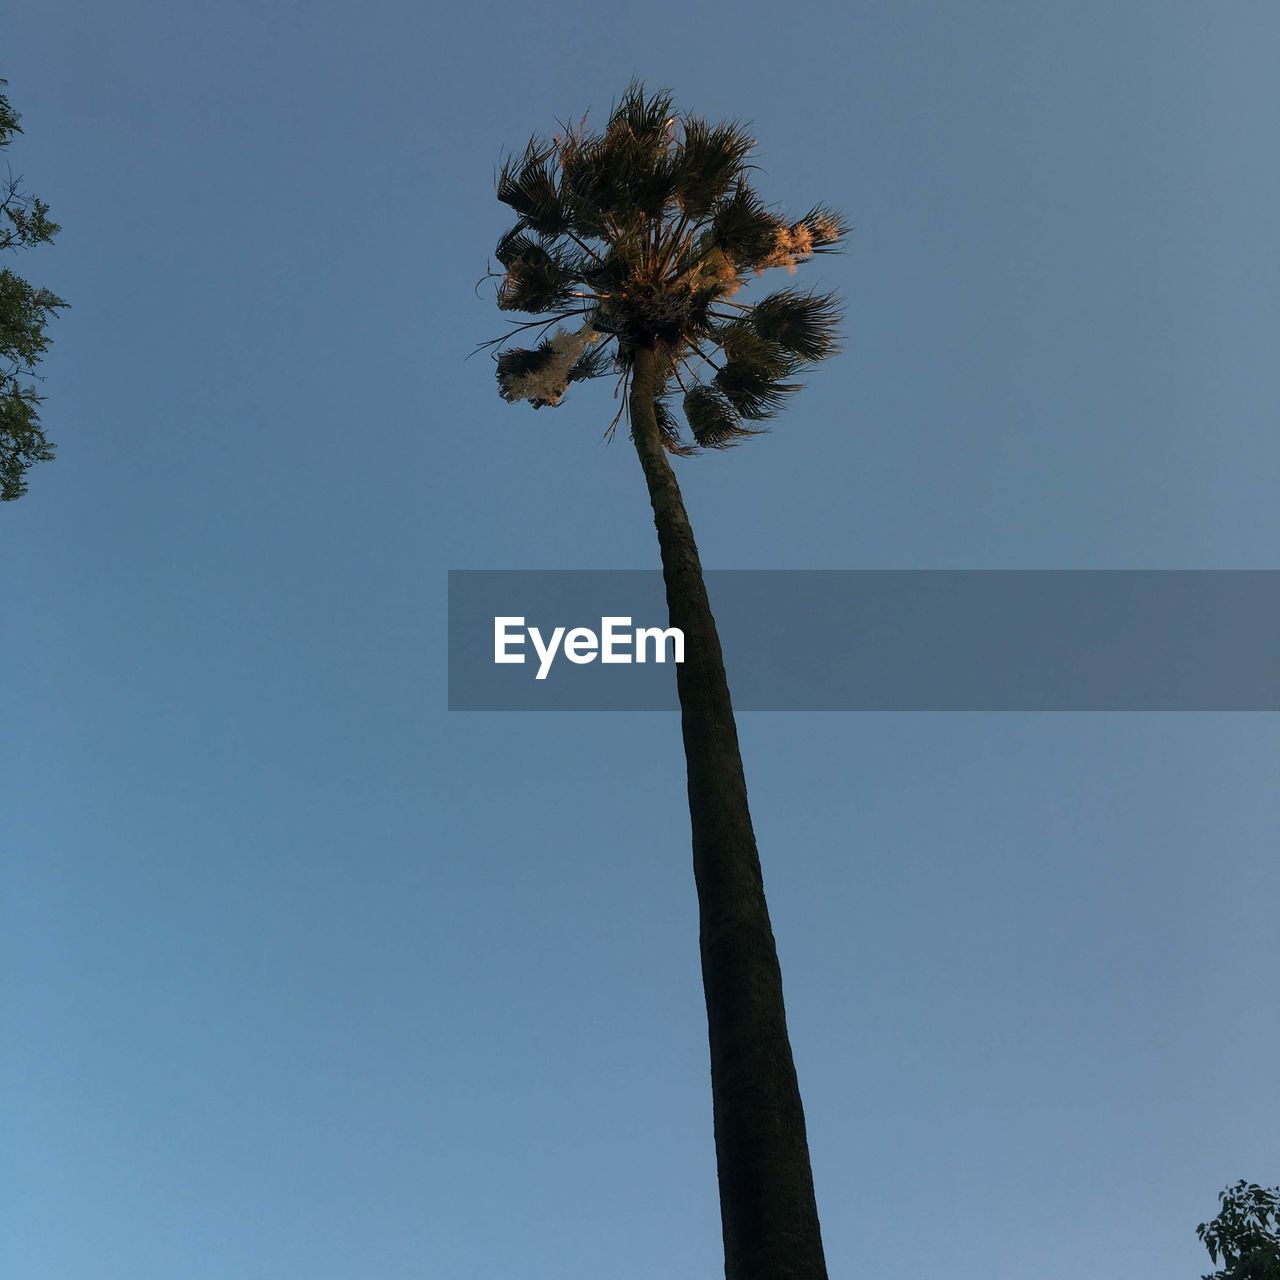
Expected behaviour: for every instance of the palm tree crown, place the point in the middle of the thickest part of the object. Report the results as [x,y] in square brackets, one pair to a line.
[640,236]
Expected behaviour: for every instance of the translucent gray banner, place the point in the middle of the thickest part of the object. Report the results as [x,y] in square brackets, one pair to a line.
[878,640]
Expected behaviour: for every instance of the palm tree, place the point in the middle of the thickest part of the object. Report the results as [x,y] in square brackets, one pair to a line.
[632,244]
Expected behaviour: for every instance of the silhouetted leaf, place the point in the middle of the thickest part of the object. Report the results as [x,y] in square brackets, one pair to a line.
[805,324]
[713,419]
[528,185]
[708,164]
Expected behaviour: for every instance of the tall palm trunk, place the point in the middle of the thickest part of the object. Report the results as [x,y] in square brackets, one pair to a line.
[767,1204]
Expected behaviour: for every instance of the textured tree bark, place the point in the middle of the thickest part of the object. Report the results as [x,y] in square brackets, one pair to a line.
[767,1204]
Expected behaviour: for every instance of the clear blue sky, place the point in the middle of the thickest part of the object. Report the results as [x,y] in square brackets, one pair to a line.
[305,977]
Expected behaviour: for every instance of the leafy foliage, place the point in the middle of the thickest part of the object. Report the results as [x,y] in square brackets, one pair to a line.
[536,280]
[642,234]
[708,166]
[804,324]
[713,417]
[25,311]
[1245,1235]
[742,228]
[751,378]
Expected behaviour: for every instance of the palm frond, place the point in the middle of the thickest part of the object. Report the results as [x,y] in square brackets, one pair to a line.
[755,398]
[578,161]
[652,182]
[743,228]
[638,177]
[519,242]
[764,357]
[529,186]
[708,163]
[713,419]
[518,367]
[827,228]
[536,281]
[645,116]
[805,324]
[542,375]
[751,378]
